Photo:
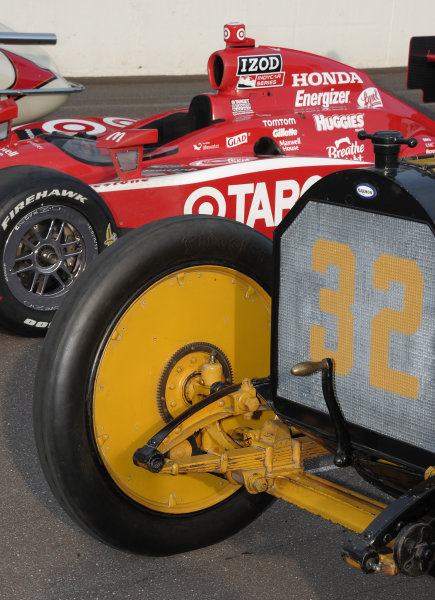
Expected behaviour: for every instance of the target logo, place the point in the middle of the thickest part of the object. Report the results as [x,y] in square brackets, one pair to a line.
[249,203]
[119,121]
[73,126]
[234,33]
[211,202]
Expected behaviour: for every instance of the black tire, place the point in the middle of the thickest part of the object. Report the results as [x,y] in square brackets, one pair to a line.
[51,227]
[81,344]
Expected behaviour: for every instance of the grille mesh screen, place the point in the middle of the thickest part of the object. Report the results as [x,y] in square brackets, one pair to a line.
[359,288]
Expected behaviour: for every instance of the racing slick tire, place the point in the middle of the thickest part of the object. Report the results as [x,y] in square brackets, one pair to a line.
[127,340]
[52,226]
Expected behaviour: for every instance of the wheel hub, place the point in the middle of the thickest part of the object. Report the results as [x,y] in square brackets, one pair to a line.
[183,380]
[414,549]
[47,258]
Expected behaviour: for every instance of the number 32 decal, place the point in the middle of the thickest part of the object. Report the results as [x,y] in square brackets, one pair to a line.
[386,269]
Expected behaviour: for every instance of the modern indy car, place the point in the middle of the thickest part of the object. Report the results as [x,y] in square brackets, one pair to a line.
[277,121]
[197,371]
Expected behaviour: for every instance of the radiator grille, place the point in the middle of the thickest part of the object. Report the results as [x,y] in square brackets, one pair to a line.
[359,287]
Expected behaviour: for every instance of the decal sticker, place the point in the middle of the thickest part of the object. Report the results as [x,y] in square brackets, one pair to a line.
[205,207]
[218,162]
[39,324]
[119,121]
[241,106]
[247,82]
[261,80]
[237,140]
[73,126]
[290,145]
[30,134]
[253,201]
[205,146]
[8,152]
[283,132]
[234,32]
[266,63]
[325,78]
[370,98]
[328,123]
[110,236]
[157,170]
[325,99]
[279,122]
[116,136]
[36,145]
[344,148]
[260,71]
[365,190]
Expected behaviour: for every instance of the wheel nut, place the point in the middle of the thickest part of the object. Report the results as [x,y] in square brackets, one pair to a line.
[256,483]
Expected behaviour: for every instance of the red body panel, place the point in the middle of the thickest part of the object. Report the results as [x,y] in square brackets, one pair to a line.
[305,110]
[28,75]
[257,192]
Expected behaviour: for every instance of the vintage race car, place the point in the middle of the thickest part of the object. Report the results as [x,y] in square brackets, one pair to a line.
[192,376]
[30,76]
[278,121]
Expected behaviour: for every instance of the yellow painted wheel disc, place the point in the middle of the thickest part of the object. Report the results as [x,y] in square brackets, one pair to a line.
[213,305]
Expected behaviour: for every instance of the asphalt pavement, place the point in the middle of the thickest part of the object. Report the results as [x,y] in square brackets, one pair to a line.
[286,554]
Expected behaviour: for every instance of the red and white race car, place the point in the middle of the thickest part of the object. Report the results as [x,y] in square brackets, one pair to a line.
[278,121]
[30,76]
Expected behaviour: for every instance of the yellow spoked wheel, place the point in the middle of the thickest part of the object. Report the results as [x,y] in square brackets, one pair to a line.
[128,352]
[136,371]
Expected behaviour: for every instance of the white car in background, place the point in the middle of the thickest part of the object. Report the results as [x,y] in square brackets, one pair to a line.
[30,76]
